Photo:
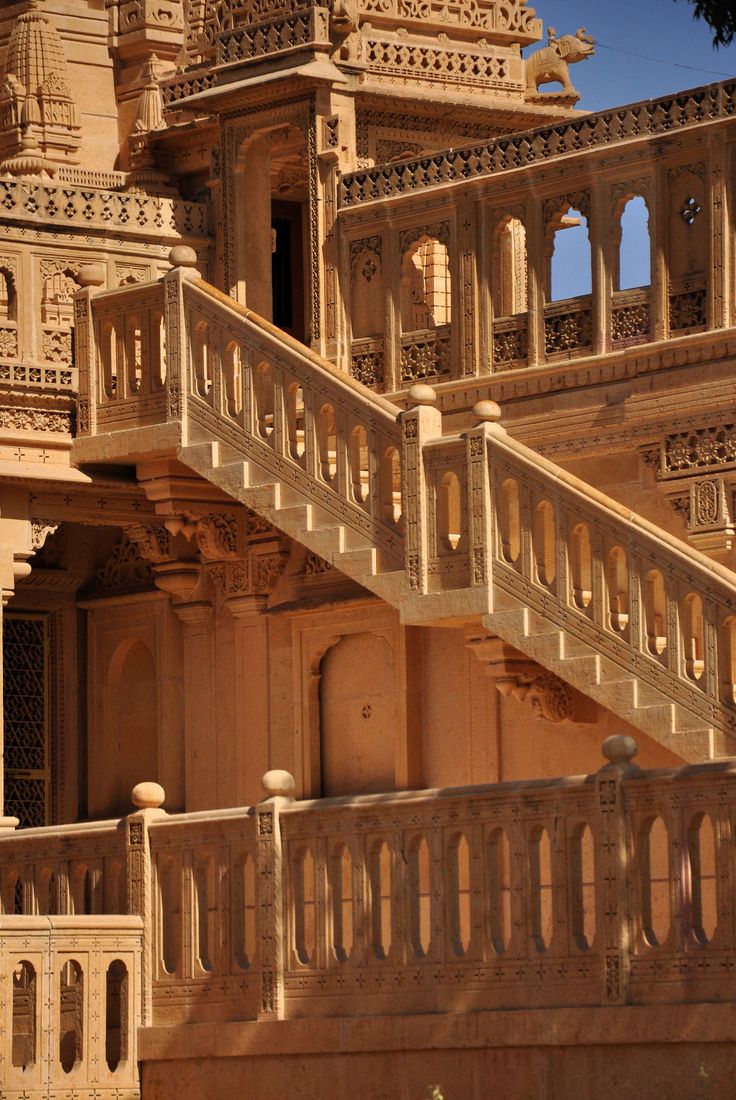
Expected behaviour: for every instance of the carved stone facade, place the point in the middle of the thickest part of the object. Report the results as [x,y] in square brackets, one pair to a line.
[306,469]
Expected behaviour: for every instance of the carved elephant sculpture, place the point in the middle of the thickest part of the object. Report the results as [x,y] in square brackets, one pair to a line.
[550,64]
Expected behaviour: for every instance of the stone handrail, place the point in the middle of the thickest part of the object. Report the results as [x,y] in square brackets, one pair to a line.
[205,949]
[585,890]
[229,375]
[64,870]
[92,208]
[601,129]
[659,609]
[70,996]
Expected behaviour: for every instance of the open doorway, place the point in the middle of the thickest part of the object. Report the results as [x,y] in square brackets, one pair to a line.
[287,267]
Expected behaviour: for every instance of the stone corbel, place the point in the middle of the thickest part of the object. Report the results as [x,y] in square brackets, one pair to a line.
[706,505]
[514,674]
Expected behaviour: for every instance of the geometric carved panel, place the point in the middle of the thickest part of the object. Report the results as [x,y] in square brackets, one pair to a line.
[26,716]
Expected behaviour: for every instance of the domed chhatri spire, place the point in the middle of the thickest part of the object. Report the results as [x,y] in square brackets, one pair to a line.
[37,109]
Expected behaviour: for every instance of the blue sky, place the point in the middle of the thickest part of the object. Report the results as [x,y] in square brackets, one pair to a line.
[657,29]
[677,53]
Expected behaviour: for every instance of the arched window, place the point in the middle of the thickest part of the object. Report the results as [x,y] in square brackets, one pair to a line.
[570,266]
[24,1015]
[425,291]
[634,251]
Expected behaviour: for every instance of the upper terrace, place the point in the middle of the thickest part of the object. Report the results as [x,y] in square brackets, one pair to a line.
[448,259]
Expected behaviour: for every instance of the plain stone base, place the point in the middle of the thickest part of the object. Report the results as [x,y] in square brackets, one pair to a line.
[667,1052]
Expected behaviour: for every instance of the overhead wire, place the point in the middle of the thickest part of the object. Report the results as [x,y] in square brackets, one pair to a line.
[662,60]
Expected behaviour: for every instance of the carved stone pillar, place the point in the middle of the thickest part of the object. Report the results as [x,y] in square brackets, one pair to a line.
[279,788]
[614,863]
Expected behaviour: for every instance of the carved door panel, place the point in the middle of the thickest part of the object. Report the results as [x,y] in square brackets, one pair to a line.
[27,716]
[359,716]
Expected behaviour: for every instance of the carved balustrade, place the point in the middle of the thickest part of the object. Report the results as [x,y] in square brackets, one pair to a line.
[71,869]
[611,888]
[70,994]
[491,213]
[231,376]
[662,612]
[206,954]
[90,208]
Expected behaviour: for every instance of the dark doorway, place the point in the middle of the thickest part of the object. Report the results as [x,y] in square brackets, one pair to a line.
[287,268]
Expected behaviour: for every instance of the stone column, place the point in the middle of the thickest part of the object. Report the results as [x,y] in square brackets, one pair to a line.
[613,867]
[148,798]
[279,787]
[421,423]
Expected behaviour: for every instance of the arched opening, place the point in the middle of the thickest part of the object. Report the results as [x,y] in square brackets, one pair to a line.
[449,513]
[116,1014]
[8,299]
[379,881]
[169,884]
[701,850]
[71,1015]
[458,893]
[305,925]
[341,882]
[23,1052]
[158,351]
[655,881]
[8,315]
[201,359]
[264,400]
[107,347]
[327,442]
[655,612]
[360,465]
[582,886]
[425,293]
[296,422]
[634,250]
[134,355]
[419,897]
[582,566]
[391,504]
[205,912]
[544,539]
[510,520]
[244,911]
[693,636]
[233,379]
[618,588]
[570,266]
[568,320]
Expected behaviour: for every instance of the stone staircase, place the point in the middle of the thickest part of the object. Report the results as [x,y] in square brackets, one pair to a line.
[327,461]
[605,681]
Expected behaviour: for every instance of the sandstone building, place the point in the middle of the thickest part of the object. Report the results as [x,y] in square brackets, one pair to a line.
[308,467]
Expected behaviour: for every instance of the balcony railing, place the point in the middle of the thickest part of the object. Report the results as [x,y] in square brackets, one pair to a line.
[604,889]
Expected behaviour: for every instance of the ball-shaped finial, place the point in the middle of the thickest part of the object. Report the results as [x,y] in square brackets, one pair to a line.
[620,748]
[181,255]
[422,394]
[92,275]
[488,412]
[279,782]
[147,796]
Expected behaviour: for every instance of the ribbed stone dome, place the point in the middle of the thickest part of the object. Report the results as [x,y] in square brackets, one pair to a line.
[37,108]
[36,56]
